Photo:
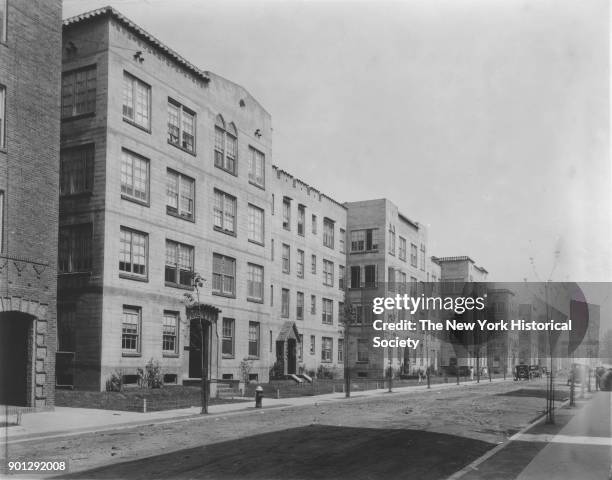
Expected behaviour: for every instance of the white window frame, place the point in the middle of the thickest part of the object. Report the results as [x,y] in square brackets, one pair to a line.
[182,114]
[176,188]
[130,110]
[257,168]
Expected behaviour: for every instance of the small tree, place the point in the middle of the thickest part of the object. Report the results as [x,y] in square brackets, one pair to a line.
[246,365]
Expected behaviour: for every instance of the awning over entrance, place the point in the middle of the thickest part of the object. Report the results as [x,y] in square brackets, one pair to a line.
[288,331]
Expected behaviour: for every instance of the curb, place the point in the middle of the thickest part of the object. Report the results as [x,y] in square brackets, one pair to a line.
[316,400]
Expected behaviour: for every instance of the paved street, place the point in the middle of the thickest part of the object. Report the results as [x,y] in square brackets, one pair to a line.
[423,434]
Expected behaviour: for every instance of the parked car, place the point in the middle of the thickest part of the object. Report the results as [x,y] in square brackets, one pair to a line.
[605,382]
[535,371]
[521,372]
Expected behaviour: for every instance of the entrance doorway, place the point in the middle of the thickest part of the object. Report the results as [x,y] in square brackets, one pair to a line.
[14,362]
[195,349]
[291,356]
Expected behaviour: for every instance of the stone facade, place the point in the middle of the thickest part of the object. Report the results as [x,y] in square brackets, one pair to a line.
[30,68]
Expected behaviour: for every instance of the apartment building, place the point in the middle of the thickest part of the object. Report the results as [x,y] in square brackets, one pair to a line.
[164,172]
[167,173]
[308,270]
[387,255]
[30,66]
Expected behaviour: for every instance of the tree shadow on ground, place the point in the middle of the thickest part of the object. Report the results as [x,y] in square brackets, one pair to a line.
[560,395]
[315,451]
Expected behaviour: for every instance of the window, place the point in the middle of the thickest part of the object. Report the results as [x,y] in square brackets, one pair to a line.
[75,247]
[402,249]
[2,112]
[286,258]
[364,240]
[313,305]
[341,284]
[327,309]
[130,331]
[299,311]
[180,195]
[300,347]
[254,339]
[78,91]
[326,349]
[224,275]
[404,280]
[413,255]
[136,101]
[312,345]
[341,312]
[314,224]
[413,286]
[328,273]
[422,258]
[181,126]
[66,327]
[286,213]
[227,340]
[272,249]
[256,224]
[133,252]
[170,333]
[271,295]
[342,240]
[256,167]
[285,303]
[362,350]
[313,264]
[340,350]
[300,263]
[224,212]
[255,275]
[391,240]
[179,264]
[272,209]
[3,21]
[370,276]
[226,146]
[76,168]
[134,177]
[356,277]
[301,220]
[328,233]
[271,342]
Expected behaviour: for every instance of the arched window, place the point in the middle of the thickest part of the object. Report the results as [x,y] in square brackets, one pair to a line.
[226,145]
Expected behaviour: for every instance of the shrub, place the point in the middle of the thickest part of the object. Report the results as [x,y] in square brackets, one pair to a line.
[151,376]
[325,372]
[114,382]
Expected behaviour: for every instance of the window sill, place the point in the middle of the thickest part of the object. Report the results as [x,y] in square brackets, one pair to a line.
[135,200]
[228,356]
[140,127]
[253,357]
[226,170]
[178,215]
[326,361]
[261,187]
[255,300]
[137,278]
[358,252]
[170,355]
[226,295]
[131,354]
[225,232]
[186,150]
[78,117]
[261,244]
[179,286]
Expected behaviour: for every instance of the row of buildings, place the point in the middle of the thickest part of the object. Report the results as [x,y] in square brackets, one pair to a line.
[127,170]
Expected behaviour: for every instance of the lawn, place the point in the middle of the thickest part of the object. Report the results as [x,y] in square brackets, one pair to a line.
[132,398]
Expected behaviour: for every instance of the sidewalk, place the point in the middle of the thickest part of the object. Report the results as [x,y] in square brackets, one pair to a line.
[577,446]
[66,421]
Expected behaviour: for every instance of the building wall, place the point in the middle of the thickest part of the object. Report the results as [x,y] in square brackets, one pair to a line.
[29,166]
[392,268]
[284,185]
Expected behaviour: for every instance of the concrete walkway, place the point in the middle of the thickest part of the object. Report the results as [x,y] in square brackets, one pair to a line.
[66,421]
[580,450]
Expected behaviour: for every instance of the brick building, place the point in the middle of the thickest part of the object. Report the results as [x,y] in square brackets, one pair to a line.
[387,255]
[30,39]
[166,171]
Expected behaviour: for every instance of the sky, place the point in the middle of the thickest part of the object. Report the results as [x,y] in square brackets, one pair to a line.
[486,120]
